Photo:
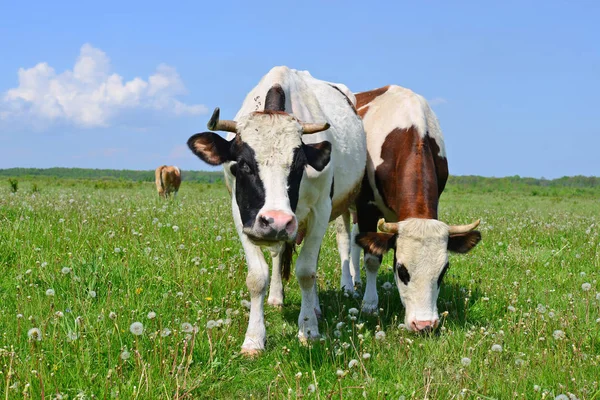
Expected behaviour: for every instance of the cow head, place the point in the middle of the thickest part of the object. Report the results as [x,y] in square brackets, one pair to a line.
[420,262]
[267,158]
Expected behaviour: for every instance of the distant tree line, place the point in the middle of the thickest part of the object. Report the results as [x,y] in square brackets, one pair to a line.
[107,174]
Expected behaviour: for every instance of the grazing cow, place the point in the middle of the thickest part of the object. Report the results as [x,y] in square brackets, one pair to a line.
[168,179]
[406,174]
[293,160]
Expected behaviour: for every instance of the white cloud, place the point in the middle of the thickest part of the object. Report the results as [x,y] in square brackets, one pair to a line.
[436,101]
[91,95]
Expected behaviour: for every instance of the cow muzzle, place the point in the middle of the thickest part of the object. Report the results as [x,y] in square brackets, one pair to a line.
[424,326]
[273,225]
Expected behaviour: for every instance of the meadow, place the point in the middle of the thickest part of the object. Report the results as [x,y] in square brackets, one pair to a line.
[108,292]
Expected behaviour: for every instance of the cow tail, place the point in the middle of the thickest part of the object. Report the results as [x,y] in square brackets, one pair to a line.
[286,259]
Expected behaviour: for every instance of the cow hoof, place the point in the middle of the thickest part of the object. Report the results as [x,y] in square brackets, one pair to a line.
[250,353]
[276,303]
[348,288]
[371,309]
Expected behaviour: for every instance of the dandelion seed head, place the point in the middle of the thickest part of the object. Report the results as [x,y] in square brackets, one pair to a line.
[175,228]
[50,292]
[353,311]
[34,334]
[92,294]
[366,356]
[66,270]
[151,315]
[165,332]
[466,361]
[137,328]
[339,373]
[380,336]
[187,327]
[353,363]
[387,286]
[211,324]
[586,287]
[558,334]
[497,348]
[125,355]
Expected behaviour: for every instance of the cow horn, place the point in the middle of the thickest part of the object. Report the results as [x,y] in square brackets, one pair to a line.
[307,129]
[215,124]
[388,227]
[458,229]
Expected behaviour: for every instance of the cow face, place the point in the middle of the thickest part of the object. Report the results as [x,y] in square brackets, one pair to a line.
[420,262]
[267,158]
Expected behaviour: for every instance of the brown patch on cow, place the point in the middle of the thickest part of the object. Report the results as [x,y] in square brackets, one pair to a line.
[407,177]
[363,99]
[167,179]
[345,97]
[441,165]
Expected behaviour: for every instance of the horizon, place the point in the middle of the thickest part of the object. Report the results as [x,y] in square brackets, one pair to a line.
[124,86]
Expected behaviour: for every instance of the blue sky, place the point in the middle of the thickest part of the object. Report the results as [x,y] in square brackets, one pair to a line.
[515,84]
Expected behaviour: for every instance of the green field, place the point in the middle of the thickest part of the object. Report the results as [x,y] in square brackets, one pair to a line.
[82,260]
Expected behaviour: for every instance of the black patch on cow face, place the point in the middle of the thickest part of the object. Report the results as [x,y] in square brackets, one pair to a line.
[441,277]
[295,177]
[403,274]
[317,154]
[249,188]
[275,100]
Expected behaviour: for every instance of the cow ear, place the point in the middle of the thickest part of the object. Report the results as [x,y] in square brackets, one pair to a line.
[376,242]
[317,154]
[463,242]
[211,148]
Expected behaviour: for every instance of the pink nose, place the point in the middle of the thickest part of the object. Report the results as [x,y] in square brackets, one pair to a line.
[424,326]
[278,221]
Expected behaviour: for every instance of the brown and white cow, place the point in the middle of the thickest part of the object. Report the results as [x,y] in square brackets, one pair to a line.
[168,180]
[293,160]
[406,174]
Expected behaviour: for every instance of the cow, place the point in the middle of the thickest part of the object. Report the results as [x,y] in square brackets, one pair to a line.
[293,160]
[168,180]
[406,173]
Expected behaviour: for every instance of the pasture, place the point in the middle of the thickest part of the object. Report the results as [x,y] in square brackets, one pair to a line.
[106,292]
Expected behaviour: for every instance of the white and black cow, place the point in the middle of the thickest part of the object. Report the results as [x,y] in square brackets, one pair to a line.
[293,161]
[407,171]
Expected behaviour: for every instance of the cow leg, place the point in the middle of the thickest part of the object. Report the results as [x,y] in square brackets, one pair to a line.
[368,214]
[306,273]
[343,236]
[256,281]
[276,289]
[355,257]
[371,299]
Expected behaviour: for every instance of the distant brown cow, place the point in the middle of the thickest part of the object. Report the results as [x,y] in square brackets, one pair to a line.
[168,179]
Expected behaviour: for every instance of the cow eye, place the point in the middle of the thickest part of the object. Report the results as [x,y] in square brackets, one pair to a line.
[245,168]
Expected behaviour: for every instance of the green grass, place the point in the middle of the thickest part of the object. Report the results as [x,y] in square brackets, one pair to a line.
[122,259]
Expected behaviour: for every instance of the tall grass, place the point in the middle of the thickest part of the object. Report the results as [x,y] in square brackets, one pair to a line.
[80,263]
